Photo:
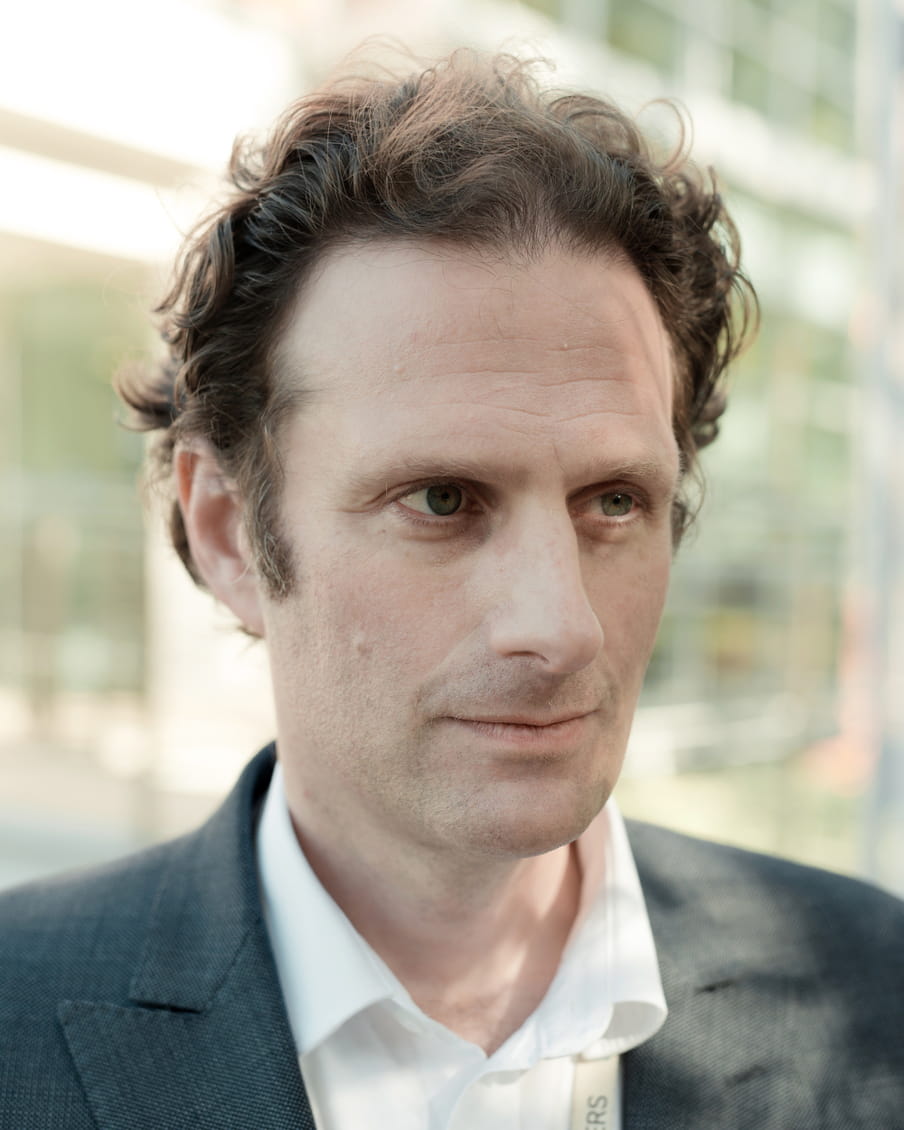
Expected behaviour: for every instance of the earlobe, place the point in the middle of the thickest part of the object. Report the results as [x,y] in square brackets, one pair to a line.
[212,513]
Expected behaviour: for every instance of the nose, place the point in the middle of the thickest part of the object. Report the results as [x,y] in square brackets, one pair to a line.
[543,611]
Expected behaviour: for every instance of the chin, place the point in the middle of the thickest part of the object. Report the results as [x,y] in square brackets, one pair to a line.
[540,823]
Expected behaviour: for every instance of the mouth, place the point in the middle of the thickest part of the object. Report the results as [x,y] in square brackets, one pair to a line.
[537,721]
[530,730]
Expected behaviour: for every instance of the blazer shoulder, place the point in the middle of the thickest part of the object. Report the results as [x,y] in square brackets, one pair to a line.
[854,912]
[784,985]
[78,933]
[73,937]
[106,958]
[83,935]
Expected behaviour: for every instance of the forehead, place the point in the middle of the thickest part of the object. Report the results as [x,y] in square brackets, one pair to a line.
[398,329]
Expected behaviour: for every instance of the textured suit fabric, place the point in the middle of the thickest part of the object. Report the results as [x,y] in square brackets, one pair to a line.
[143,995]
[785,986]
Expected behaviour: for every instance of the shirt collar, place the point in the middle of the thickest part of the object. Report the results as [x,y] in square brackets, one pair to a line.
[327,971]
[605,998]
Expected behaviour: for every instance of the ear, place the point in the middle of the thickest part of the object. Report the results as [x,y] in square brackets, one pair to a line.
[212,513]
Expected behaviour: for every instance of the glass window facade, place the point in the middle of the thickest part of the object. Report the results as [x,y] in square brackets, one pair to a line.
[72,592]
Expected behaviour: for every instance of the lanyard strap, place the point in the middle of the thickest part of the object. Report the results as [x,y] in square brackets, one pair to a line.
[596,1097]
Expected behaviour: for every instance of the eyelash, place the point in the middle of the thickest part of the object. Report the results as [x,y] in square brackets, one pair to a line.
[438,521]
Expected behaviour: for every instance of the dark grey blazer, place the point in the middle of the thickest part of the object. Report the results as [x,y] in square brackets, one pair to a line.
[143,996]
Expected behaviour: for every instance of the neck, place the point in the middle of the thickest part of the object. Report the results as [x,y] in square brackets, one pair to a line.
[476,945]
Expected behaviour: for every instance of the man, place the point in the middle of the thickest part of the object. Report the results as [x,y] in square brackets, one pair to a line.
[439,371]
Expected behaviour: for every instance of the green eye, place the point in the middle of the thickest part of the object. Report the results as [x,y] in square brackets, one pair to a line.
[616,504]
[444,498]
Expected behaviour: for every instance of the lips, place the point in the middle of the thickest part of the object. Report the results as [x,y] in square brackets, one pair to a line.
[527,719]
[559,733]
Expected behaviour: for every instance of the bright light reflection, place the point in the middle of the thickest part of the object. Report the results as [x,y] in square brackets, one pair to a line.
[61,203]
[171,77]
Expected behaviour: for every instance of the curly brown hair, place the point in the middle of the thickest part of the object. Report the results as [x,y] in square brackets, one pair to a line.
[472,151]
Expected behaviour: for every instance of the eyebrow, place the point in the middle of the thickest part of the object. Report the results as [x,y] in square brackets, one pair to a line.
[453,467]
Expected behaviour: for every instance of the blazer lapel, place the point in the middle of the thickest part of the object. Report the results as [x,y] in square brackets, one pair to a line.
[729,1053]
[204,1040]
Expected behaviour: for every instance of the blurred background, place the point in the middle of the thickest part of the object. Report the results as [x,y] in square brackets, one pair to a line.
[774,709]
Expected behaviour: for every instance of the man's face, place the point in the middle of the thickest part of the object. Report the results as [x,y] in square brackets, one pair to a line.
[477,496]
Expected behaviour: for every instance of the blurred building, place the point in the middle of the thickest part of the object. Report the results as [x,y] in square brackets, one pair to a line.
[115,122]
[747,664]
[785,630]
[113,672]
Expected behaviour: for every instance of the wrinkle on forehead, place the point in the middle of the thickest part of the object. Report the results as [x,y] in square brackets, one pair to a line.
[349,278]
[412,338]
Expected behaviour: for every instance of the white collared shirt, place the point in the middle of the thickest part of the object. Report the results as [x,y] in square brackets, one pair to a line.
[370,1057]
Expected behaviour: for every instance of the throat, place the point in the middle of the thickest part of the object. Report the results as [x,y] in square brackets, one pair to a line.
[485,992]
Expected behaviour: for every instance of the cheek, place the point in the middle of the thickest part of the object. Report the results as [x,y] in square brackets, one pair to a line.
[372,612]
[629,599]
